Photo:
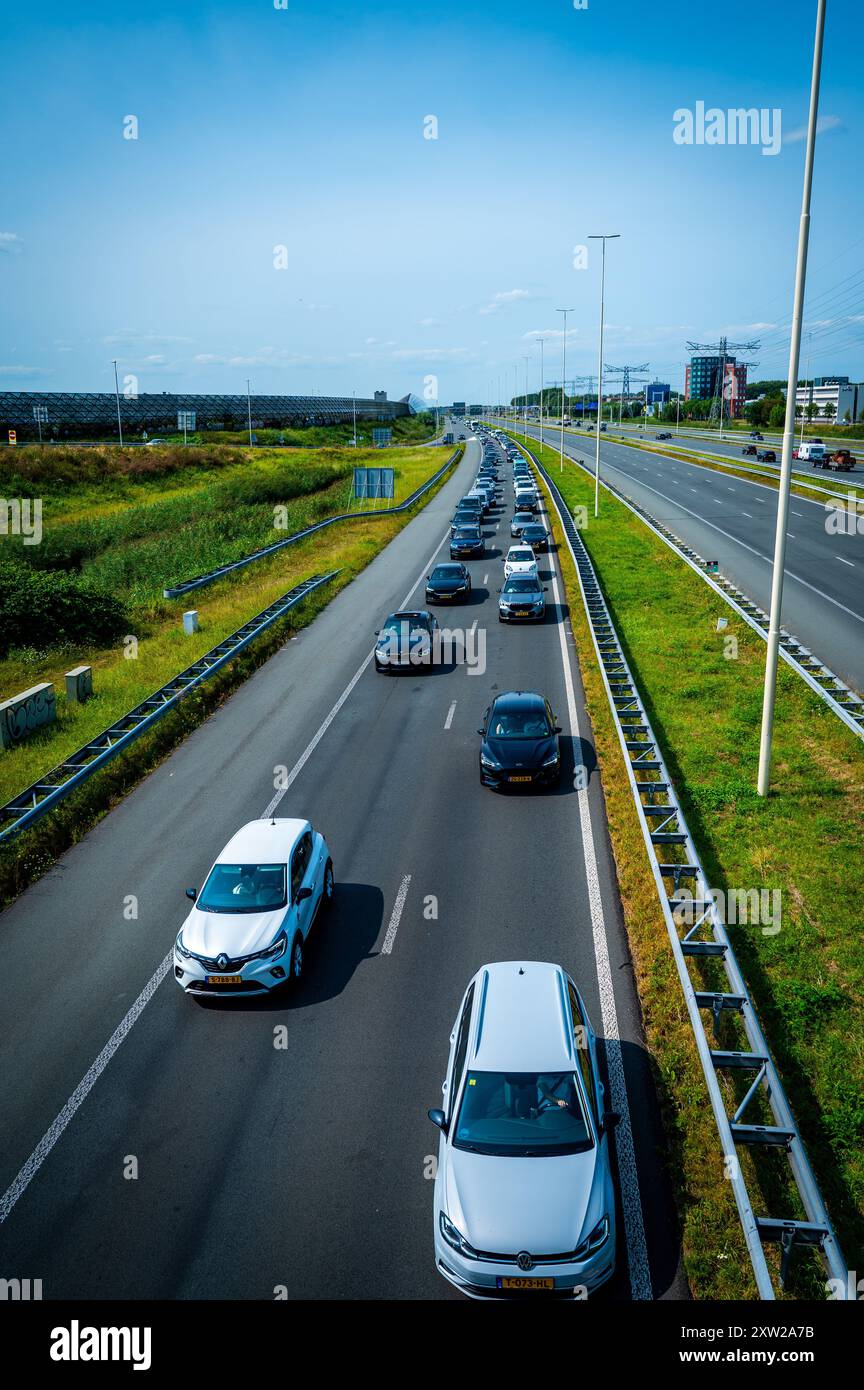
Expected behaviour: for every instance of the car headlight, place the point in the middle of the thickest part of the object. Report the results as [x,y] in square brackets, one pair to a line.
[552,759]
[597,1238]
[180,948]
[279,947]
[489,762]
[455,1238]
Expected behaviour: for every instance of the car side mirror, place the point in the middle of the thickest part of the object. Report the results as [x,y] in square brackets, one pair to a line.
[439,1119]
[192,894]
[303,894]
[557,729]
[610,1121]
[545,588]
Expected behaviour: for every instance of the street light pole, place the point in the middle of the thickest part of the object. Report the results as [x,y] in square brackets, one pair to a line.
[565,312]
[773,644]
[611,236]
[117,395]
[249,410]
[354,415]
[542,341]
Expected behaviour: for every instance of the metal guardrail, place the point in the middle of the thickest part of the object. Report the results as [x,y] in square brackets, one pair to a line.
[843,701]
[697,932]
[32,803]
[212,575]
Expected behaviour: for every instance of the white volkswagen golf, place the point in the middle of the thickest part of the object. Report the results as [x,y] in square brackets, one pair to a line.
[249,923]
[524,1201]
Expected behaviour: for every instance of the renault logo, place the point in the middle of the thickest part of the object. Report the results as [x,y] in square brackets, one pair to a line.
[524,1260]
[222,961]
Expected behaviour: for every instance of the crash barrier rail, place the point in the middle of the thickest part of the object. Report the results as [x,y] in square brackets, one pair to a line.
[177,590]
[840,698]
[697,932]
[32,803]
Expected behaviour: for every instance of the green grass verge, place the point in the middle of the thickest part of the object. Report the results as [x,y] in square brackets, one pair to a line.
[163,650]
[805,838]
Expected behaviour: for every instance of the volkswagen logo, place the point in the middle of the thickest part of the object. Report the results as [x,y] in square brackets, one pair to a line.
[222,961]
[524,1260]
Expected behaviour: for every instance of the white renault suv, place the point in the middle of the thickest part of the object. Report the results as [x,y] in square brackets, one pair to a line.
[520,559]
[249,923]
[524,1198]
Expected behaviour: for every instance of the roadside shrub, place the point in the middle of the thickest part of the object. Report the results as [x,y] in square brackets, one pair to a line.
[45,609]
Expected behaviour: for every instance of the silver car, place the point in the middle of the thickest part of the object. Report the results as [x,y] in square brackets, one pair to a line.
[524,1200]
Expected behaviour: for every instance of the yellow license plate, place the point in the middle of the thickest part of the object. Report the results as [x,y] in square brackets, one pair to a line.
[525,1283]
[224,980]
[520,779]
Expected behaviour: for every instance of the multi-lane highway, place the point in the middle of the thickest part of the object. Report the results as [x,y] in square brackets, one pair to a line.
[732,521]
[158,1147]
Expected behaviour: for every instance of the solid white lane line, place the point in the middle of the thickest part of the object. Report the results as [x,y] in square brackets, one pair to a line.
[631,1200]
[844,562]
[81,1092]
[450,713]
[750,514]
[395,916]
[91,1076]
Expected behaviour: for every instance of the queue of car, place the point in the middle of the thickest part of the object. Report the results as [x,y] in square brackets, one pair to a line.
[524,1202]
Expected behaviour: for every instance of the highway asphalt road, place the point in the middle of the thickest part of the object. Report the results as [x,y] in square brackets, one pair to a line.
[733,521]
[307,1166]
[731,446]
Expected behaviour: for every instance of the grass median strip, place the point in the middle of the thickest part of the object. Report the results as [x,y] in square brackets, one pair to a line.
[702,688]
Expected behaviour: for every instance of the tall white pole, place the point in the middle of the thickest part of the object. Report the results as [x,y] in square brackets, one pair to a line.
[603,238]
[789,425]
[117,396]
[354,415]
[542,341]
[565,312]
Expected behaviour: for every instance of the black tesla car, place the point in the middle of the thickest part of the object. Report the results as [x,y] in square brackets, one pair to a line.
[519,742]
[447,583]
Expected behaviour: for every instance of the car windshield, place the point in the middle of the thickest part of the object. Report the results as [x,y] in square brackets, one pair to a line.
[467,533]
[519,723]
[243,888]
[524,556]
[534,532]
[521,584]
[522,517]
[398,626]
[446,572]
[522,1115]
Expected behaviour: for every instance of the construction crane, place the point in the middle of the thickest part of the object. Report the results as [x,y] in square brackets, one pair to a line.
[723,351]
[625,374]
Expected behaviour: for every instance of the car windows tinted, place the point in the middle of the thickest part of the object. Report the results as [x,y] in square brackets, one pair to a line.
[243,888]
[522,1114]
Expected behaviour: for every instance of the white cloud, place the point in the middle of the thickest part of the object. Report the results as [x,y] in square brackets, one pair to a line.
[11,243]
[128,337]
[550,333]
[453,354]
[25,371]
[504,297]
[823,125]
[429,323]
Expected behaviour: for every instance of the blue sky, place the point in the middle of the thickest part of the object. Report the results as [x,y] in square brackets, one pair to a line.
[408,257]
